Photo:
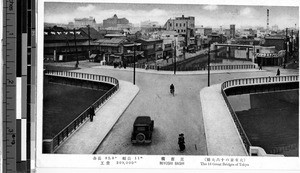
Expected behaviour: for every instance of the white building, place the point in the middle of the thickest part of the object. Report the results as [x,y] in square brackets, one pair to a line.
[83,22]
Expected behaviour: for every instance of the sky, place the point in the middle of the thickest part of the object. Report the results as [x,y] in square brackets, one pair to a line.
[206,15]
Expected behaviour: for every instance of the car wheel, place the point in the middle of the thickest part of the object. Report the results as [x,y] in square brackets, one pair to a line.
[140,137]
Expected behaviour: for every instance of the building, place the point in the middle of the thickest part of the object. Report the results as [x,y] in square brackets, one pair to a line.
[199,31]
[217,38]
[278,42]
[149,24]
[116,22]
[227,33]
[232,31]
[184,26]
[275,28]
[61,44]
[84,22]
[207,31]
[171,44]
[152,49]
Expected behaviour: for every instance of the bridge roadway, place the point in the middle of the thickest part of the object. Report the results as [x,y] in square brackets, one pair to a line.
[172,115]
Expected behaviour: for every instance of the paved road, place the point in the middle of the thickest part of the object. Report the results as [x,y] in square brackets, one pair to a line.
[172,115]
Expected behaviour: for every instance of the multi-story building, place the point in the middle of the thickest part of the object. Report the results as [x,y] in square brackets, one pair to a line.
[152,49]
[83,22]
[116,22]
[278,42]
[232,31]
[199,31]
[184,26]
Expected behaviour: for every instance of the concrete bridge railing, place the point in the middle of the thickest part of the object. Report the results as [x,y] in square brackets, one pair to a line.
[250,81]
[259,80]
[51,145]
[199,68]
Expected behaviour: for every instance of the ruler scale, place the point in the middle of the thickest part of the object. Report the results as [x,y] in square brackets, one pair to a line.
[18,53]
[9,86]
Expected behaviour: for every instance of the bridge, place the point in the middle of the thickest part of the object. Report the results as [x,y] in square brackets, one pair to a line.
[235,141]
[233,45]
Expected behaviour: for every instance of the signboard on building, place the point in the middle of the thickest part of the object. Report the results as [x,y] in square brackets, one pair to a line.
[269,55]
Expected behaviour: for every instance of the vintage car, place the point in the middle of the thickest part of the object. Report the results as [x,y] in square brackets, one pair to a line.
[142,130]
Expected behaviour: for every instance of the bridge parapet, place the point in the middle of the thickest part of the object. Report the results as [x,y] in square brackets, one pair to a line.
[84,76]
[247,82]
[259,80]
[51,145]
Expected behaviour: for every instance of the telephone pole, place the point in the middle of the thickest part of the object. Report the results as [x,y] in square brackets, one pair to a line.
[77,62]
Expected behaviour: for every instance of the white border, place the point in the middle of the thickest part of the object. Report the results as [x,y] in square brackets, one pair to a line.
[74,163]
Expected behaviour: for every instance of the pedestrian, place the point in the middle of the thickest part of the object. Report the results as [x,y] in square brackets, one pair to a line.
[278,72]
[260,66]
[92,113]
[181,142]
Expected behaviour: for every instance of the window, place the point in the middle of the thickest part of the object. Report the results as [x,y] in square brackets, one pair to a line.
[150,46]
[176,24]
[168,45]
[180,24]
[170,24]
[158,46]
[183,24]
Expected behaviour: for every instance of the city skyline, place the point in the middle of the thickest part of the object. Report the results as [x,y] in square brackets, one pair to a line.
[206,15]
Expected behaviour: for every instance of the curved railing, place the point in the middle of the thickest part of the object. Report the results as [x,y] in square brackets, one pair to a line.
[200,68]
[55,142]
[84,76]
[259,80]
[245,82]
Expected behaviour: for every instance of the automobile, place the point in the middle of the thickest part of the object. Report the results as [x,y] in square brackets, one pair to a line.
[142,130]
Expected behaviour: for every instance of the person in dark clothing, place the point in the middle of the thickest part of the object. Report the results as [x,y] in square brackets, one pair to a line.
[92,113]
[278,72]
[181,142]
[260,66]
[172,89]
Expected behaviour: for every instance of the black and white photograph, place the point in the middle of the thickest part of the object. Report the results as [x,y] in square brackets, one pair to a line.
[171,84]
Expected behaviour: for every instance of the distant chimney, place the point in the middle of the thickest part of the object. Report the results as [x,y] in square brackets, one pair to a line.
[182,16]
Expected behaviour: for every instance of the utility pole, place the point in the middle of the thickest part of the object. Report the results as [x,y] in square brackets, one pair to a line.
[77,62]
[292,46]
[208,65]
[286,47]
[175,57]
[89,41]
[133,63]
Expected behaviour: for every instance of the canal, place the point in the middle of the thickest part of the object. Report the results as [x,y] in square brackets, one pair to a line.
[270,120]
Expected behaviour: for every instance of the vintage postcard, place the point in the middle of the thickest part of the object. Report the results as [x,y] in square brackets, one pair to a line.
[187,85]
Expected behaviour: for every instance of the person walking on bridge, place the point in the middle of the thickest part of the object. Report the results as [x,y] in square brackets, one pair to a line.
[92,113]
[278,72]
[172,89]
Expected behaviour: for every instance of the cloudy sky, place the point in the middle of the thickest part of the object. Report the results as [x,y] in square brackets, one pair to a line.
[206,15]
